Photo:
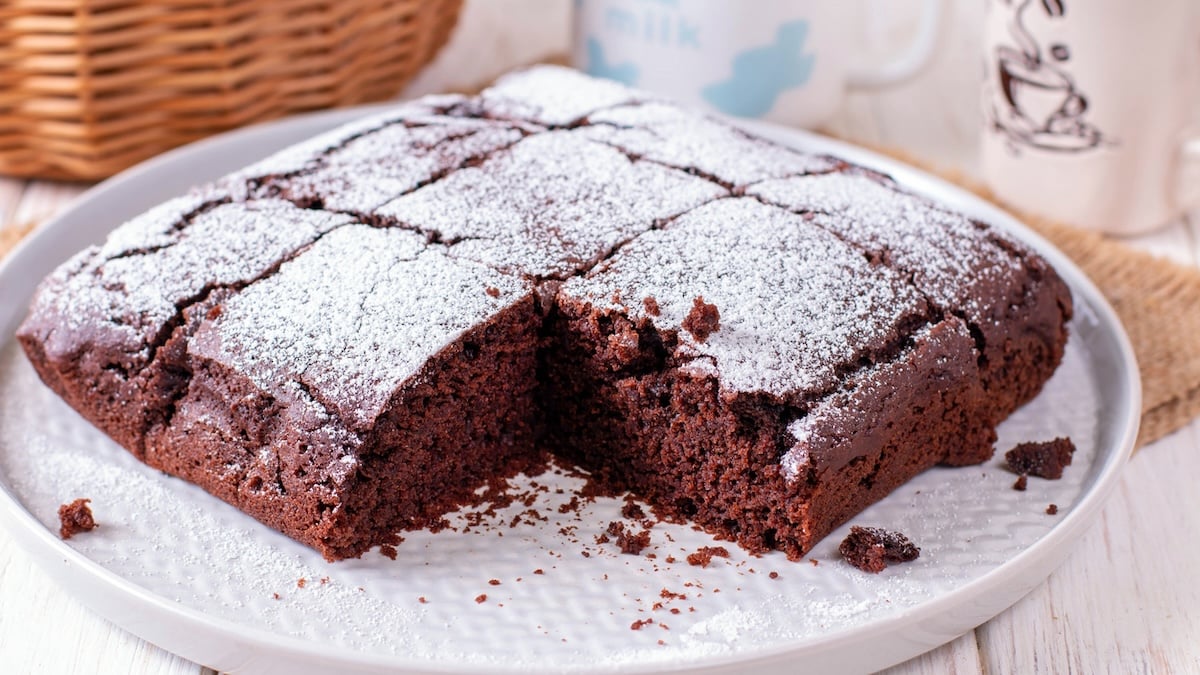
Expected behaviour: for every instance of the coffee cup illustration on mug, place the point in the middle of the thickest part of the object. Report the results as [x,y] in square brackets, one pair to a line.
[1037,102]
[1088,105]
[786,61]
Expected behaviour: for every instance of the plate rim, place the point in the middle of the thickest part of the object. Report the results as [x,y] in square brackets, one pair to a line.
[42,545]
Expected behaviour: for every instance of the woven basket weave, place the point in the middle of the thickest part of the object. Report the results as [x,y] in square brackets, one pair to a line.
[90,87]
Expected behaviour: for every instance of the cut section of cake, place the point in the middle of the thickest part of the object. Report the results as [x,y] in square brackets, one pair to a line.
[367,387]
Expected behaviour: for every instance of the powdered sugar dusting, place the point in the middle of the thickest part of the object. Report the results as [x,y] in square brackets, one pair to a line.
[128,299]
[553,95]
[950,258]
[307,155]
[354,333]
[796,304]
[551,205]
[156,228]
[368,171]
[685,139]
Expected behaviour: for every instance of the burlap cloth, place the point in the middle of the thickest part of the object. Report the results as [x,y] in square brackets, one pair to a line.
[1157,300]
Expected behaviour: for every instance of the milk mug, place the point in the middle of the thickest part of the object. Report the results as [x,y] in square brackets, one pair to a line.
[786,61]
[1088,109]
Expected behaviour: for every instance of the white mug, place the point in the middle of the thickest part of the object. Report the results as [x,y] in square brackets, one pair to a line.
[786,61]
[1088,105]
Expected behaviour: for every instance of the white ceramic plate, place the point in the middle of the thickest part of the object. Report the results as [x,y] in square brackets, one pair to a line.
[198,578]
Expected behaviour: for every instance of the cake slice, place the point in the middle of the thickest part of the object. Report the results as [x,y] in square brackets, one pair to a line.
[1009,298]
[108,330]
[369,386]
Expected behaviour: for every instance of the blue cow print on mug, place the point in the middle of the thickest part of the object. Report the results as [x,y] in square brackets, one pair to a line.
[761,74]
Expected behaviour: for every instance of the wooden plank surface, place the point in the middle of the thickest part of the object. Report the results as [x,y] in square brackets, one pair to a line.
[1125,601]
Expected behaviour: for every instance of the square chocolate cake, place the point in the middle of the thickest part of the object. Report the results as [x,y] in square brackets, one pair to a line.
[350,338]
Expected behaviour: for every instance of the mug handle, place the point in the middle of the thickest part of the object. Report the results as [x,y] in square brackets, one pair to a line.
[914,57]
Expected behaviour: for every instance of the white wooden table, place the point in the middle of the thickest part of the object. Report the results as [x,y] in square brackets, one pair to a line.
[1126,601]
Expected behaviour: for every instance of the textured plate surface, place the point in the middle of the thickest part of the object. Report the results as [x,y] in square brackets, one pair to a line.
[198,578]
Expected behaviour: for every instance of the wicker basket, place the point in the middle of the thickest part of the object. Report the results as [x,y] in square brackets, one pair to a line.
[89,87]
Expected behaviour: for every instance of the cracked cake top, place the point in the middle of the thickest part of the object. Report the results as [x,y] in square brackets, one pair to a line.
[797,306]
[353,334]
[128,294]
[549,206]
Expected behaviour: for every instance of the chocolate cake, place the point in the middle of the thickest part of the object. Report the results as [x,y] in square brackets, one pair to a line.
[350,338]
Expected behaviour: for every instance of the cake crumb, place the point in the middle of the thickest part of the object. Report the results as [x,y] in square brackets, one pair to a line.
[704,555]
[1052,510]
[703,320]
[632,511]
[74,518]
[1041,459]
[492,291]
[494,582]
[629,542]
[571,506]
[422,600]
[1022,483]
[324,580]
[481,598]
[870,549]
[773,575]
[637,625]
[538,571]
[387,550]
[651,305]
[275,595]
[301,582]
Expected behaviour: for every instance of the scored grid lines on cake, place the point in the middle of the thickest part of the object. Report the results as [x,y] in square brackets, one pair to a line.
[900,229]
[311,154]
[505,102]
[146,234]
[379,174]
[354,361]
[965,270]
[232,248]
[669,135]
[824,309]
[553,96]
[551,205]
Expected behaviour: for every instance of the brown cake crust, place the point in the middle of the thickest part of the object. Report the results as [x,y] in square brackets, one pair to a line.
[347,339]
